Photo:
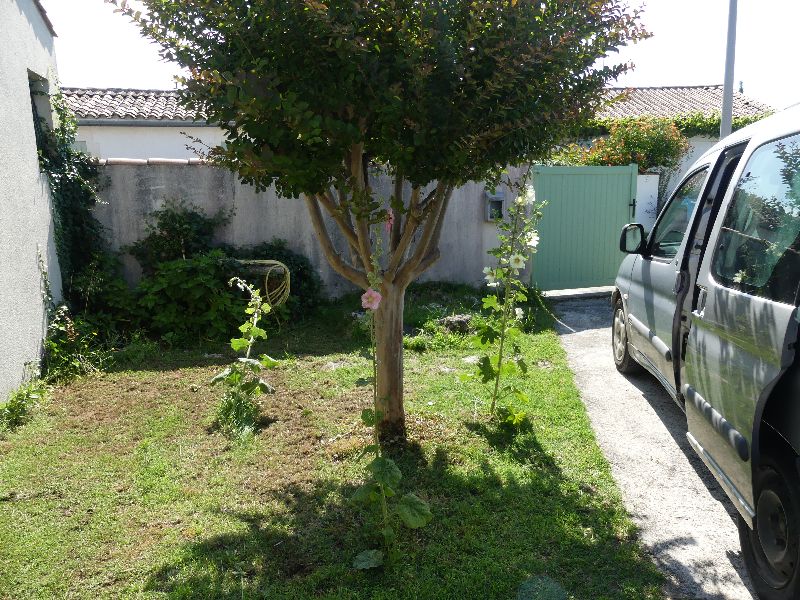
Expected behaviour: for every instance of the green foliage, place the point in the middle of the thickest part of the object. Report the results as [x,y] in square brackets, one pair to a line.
[450,91]
[107,302]
[177,230]
[306,292]
[689,124]
[377,490]
[72,348]
[17,409]
[185,301]
[518,241]
[648,142]
[73,185]
[237,412]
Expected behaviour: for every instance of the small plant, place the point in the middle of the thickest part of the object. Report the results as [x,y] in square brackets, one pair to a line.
[384,474]
[17,409]
[72,348]
[237,412]
[518,238]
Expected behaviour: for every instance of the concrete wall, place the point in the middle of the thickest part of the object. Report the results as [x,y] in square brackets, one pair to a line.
[116,141]
[26,226]
[132,191]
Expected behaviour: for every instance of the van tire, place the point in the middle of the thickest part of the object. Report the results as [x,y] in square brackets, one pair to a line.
[619,342]
[771,550]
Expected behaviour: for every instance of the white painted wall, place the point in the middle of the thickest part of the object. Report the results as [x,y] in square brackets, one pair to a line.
[26,225]
[126,141]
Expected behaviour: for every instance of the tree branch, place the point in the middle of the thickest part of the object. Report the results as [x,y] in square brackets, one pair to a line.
[432,226]
[409,229]
[396,226]
[337,263]
[327,201]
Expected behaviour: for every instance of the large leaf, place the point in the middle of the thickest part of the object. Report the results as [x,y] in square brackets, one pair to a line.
[366,494]
[487,371]
[413,511]
[385,471]
[368,559]
[239,344]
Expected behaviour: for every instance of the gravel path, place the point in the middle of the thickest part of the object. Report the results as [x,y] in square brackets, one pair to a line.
[686,522]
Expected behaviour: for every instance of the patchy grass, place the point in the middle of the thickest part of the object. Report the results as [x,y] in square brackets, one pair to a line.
[118,487]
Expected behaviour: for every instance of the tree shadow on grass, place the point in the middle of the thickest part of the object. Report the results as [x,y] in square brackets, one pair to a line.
[494,527]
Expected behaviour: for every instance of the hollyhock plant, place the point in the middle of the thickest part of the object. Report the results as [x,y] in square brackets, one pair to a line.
[371,299]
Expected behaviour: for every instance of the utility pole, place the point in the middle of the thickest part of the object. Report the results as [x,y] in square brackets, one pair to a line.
[725,125]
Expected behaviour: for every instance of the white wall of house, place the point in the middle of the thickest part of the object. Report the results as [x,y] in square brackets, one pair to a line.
[154,141]
[26,225]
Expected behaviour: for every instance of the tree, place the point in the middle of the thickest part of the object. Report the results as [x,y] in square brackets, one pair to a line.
[315,96]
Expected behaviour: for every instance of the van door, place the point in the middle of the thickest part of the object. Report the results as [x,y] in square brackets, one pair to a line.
[743,325]
[652,294]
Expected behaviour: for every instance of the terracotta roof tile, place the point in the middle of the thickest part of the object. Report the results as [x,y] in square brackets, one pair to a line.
[670,102]
[674,101]
[117,103]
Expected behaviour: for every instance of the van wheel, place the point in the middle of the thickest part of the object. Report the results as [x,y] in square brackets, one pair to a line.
[619,342]
[771,550]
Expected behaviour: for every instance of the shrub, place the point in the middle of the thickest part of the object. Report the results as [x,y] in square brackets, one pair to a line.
[188,300]
[72,348]
[16,410]
[178,230]
[106,300]
[649,142]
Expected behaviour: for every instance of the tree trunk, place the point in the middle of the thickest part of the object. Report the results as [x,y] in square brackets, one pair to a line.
[389,354]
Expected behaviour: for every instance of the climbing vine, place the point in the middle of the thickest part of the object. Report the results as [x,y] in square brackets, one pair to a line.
[73,178]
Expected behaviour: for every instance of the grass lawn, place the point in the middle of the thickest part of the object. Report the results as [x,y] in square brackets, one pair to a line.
[119,488]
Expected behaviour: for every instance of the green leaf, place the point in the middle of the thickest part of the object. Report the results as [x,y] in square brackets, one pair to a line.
[257,332]
[221,376]
[368,417]
[491,302]
[265,387]
[487,333]
[520,297]
[389,535]
[385,471]
[268,362]
[366,494]
[523,366]
[253,364]
[413,511]
[486,370]
[239,344]
[368,559]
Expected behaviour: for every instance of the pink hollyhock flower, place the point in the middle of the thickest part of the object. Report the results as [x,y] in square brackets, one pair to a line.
[370,299]
[389,221]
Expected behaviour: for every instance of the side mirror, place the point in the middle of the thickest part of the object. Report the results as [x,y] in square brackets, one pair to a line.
[631,241]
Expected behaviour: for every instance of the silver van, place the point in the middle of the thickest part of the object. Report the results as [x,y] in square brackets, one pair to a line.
[708,303]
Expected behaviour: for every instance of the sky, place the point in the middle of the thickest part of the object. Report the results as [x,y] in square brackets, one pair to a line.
[97,48]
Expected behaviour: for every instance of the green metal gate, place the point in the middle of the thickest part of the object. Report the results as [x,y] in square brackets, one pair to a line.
[586,210]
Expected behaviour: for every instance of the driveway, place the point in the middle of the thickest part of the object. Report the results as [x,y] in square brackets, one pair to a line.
[685,519]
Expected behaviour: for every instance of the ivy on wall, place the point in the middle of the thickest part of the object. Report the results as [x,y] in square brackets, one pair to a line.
[73,178]
[690,124]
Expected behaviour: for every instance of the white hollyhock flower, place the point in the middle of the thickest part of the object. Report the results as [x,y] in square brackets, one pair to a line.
[493,284]
[517,262]
[489,275]
[533,239]
[519,313]
[527,198]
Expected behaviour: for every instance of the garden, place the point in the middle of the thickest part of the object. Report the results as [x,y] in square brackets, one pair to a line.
[212,431]
[120,485]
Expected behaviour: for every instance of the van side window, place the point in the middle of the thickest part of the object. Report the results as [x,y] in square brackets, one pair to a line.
[758,251]
[671,227]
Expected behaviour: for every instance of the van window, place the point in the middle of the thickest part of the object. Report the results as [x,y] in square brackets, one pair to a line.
[758,251]
[671,227]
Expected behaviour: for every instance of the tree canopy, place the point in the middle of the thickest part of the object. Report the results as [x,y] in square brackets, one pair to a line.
[439,90]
